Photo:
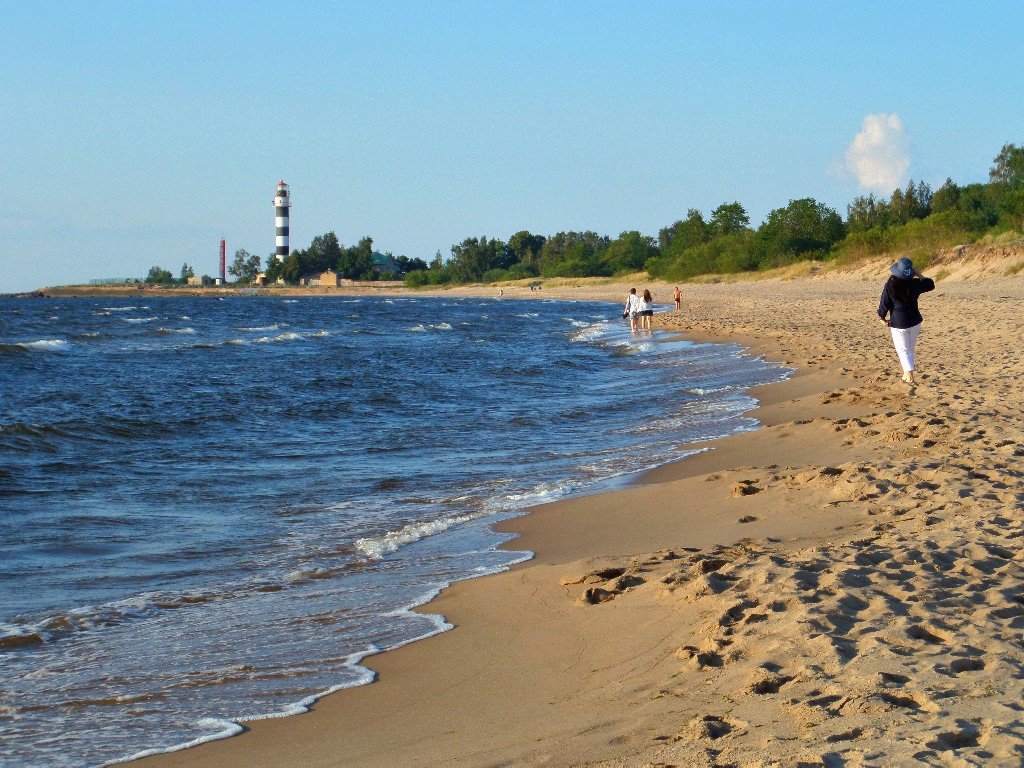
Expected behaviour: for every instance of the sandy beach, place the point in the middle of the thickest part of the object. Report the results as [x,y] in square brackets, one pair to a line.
[842,587]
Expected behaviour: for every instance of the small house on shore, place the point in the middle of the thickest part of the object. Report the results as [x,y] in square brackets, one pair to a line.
[200,282]
[328,279]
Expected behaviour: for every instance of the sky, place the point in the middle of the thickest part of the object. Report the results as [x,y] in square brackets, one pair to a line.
[139,134]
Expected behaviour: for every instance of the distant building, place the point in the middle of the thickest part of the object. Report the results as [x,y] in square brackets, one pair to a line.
[328,279]
[261,279]
[200,281]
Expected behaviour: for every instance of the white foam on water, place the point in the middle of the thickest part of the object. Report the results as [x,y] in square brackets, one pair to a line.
[122,309]
[280,337]
[256,328]
[588,331]
[140,319]
[46,345]
[176,330]
[225,728]
[418,328]
[376,547]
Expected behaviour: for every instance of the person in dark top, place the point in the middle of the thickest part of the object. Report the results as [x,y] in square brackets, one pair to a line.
[898,310]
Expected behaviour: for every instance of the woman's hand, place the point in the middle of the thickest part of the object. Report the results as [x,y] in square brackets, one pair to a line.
[884,322]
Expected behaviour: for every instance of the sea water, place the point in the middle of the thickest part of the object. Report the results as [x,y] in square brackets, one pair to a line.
[213,510]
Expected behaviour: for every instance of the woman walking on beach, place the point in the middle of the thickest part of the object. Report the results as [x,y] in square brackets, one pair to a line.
[898,310]
[646,310]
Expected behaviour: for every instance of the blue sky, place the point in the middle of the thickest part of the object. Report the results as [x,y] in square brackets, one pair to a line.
[136,134]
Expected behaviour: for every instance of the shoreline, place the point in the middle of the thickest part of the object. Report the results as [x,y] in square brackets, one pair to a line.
[766,395]
[639,630]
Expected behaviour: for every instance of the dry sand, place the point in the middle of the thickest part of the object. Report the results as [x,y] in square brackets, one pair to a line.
[842,587]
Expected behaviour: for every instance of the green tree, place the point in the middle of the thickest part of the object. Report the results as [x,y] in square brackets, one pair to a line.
[245,266]
[356,262]
[159,276]
[629,252]
[804,228]
[406,265]
[685,233]
[573,254]
[274,269]
[291,268]
[186,272]
[728,219]
[1008,166]
[946,197]
[323,253]
[475,256]
[1012,205]
[865,213]
[525,246]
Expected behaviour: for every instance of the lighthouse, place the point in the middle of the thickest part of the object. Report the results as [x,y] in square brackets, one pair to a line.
[282,206]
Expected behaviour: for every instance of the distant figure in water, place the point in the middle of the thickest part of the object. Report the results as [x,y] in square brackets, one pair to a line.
[898,310]
[632,308]
[678,296]
[646,310]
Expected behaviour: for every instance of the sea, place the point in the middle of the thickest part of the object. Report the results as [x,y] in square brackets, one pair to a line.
[213,510]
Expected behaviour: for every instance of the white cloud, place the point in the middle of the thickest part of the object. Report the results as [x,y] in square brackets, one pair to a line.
[878,157]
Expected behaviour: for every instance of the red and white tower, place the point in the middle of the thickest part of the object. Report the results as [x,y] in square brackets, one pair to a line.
[223,261]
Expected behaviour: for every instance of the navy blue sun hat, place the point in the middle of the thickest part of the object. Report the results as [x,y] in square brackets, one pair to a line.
[902,268]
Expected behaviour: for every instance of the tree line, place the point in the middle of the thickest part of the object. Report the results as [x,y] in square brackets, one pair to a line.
[358,262]
[915,220]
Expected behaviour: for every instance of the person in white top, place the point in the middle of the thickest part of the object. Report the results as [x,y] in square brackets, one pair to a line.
[646,310]
[632,308]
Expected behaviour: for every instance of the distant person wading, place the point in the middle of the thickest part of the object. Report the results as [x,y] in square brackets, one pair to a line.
[898,310]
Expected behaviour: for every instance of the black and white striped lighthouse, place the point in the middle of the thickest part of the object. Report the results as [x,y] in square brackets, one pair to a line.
[282,206]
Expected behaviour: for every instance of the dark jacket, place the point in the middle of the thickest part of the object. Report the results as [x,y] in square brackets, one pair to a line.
[903,313]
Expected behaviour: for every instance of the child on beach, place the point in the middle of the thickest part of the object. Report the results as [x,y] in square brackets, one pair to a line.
[678,296]
[898,310]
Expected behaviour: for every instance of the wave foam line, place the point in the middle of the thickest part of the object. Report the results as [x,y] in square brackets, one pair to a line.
[45,345]
[376,547]
[228,728]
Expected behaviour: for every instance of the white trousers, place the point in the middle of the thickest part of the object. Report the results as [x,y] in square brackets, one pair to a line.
[905,340]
